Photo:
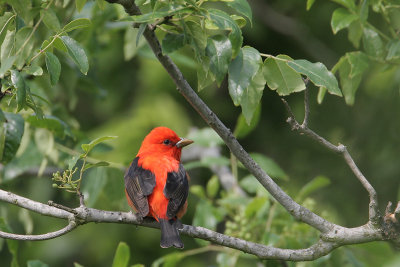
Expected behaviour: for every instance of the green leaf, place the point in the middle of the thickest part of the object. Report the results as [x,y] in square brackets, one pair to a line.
[364,10]
[212,186]
[44,141]
[358,61]
[14,129]
[36,263]
[318,74]
[53,66]
[198,191]
[393,50]
[88,147]
[51,123]
[204,76]
[130,47]
[80,4]
[5,22]
[252,96]
[141,30]
[97,164]
[242,129]
[346,3]
[122,255]
[77,53]
[18,82]
[373,44]
[219,50]
[59,44]
[50,19]
[239,20]
[196,37]
[242,7]
[348,81]
[172,259]
[321,94]
[269,166]
[77,24]
[6,66]
[34,70]
[23,48]
[254,206]
[93,185]
[241,72]
[224,22]
[281,77]
[312,186]
[169,260]
[355,33]
[156,15]
[7,46]
[172,42]
[342,18]
[309,4]
[77,264]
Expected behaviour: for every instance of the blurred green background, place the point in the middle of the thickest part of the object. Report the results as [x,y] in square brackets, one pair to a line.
[126,93]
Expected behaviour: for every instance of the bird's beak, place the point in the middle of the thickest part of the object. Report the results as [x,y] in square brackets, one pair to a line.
[183,142]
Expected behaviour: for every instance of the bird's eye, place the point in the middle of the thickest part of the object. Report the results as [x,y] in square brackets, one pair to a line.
[166,142]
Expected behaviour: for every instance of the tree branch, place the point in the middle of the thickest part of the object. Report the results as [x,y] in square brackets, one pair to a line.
[336,237]
[374,215]
[297,211]
[71,226]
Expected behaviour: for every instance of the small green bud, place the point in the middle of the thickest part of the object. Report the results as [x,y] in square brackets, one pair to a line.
[55,185]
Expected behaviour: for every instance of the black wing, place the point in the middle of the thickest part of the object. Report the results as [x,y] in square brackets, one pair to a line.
[139,183]
[176,190]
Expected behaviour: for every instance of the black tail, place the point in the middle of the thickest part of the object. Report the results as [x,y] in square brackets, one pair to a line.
[169,234]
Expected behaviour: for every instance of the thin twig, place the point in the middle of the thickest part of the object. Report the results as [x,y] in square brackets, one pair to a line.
[71,226]
[306,104]
[340,149]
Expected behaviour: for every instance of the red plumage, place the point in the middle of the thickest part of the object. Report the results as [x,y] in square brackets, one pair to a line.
[156,183]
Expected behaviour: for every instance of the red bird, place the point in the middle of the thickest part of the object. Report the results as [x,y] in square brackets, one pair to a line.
[157,185]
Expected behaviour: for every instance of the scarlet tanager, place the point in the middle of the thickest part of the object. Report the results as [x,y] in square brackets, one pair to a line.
[157,185]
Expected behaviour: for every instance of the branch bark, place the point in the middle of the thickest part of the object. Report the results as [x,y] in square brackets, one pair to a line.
[337,237]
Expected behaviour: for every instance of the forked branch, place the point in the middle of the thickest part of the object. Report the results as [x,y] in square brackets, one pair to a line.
[374,216]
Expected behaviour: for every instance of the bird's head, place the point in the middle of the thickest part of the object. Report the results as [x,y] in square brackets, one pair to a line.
[164,142]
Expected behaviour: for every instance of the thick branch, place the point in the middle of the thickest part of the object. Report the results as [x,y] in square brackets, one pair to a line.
[299,212]
[336,237]
[340,149]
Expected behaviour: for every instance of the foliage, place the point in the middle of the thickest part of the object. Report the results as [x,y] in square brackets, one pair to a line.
[56,58]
